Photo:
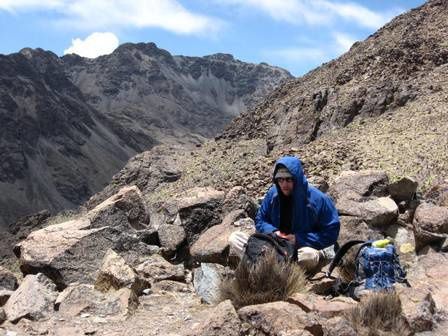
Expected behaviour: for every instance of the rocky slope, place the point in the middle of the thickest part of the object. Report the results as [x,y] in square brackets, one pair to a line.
[389,89]
[68,124]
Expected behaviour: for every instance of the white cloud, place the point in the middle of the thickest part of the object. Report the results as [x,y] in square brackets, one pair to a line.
[107,14]
[357,13]
[94,45]
[16,5]
[315,12]
[343,42]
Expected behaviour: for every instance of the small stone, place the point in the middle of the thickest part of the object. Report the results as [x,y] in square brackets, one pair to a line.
[85,315]
[147,291]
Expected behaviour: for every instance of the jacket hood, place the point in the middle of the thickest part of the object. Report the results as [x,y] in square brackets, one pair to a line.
[294,166]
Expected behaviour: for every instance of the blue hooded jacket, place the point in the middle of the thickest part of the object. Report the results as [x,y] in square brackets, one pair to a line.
[315,220]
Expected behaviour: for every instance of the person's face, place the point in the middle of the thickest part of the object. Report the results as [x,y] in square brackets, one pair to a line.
[286,185]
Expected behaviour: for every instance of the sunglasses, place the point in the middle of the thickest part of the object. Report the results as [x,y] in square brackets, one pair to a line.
[284,179]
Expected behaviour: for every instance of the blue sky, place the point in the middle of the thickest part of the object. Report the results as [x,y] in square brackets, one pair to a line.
[297,35]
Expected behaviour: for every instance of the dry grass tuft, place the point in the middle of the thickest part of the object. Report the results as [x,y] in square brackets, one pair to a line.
[379,314]
[266,281]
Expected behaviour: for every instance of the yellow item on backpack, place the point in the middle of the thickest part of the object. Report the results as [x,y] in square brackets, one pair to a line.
[381,243]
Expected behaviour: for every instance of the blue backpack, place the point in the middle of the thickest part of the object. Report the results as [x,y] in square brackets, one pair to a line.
[377,266]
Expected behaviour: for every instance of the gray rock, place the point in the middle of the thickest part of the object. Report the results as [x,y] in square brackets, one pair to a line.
[34,299]
[7,279]
[206,280]
[2,315]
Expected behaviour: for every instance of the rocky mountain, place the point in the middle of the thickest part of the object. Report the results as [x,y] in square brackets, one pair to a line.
[380,105]
[153,243]
[68,124]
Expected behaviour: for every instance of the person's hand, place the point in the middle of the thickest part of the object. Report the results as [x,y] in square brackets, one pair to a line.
[308,255]
[290,237]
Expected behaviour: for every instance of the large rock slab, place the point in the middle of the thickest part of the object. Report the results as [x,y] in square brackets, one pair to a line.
[280,318]
[430,224]
[34,299]
[7,279]
[356,185]
[379,212]
[221,320]
[430,274]
[213,245]
[195,210]
[80,299]
[72,251]
[325,308]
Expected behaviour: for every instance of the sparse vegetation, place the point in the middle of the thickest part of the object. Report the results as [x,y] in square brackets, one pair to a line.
[379,314]
[266,281]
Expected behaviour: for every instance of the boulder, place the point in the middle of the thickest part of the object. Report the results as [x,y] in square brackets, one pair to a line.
[221,320]
[438,194]
[325,308]
[213,245]
[72,251]
[430,274]
[207,280]
[403,189]
[116,274]
[354,228]
[195,210]
[172,238]
[430,224]
[338,326]
[356,185]
[237,199]
[280,318]
[82,298]
[379,212]
[418,308]
[156,269]
[404,241]
[34,299]
[7,279]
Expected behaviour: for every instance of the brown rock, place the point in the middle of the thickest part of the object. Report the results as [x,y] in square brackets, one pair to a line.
[221,320]
[280,318]
[171,238]
[355,228]
[379,212]
[403,189]
[34,299]
[430,224]
[213,244]
[325,308]
[418,308]
[156,268]
[81,298]
[355,185]
[338,326]
[116,274]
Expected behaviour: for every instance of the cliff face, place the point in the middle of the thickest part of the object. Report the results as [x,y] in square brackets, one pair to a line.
[68,124]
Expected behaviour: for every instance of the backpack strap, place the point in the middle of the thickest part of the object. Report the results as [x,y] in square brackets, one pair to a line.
[341,252]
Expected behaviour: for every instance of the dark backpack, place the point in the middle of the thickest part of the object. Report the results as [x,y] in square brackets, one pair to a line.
[259,244]
[376,268]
